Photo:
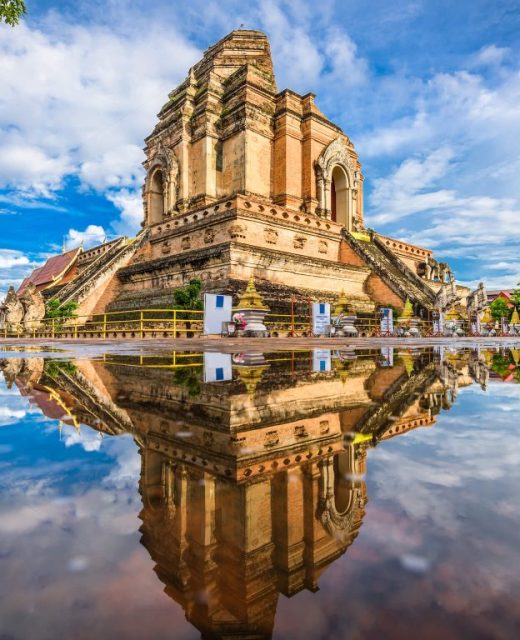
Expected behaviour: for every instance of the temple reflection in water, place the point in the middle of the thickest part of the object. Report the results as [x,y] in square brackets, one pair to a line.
[252,465]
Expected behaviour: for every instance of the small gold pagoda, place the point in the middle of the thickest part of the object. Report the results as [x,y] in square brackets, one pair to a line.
[252,310]
[251,299]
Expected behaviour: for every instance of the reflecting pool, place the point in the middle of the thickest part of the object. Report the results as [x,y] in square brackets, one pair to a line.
[317,494]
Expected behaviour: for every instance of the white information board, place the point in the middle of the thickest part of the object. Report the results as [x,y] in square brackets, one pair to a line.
[217,367]
[217,309]
[387,356]
[321,360]
[438,325]
[320,318]
[387,321]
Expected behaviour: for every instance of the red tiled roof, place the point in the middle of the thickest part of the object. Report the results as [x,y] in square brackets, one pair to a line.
[54,267]
[506,292]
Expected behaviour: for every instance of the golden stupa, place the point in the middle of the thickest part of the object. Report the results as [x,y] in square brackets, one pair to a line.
[341,305]
[251,299]
[407,313]
[487,318]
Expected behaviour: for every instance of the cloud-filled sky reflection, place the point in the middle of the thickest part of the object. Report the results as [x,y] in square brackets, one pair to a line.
[436,550]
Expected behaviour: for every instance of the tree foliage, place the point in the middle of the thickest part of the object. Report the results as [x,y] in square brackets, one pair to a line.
[11,11]
[189,297]
[53,309]
[499,309]
[516,295]
[190,378]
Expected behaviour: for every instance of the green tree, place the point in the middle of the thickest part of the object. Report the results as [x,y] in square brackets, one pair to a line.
[53,309]
[189,378]
[499,309]
[189,297]
[11,11]
[516,295]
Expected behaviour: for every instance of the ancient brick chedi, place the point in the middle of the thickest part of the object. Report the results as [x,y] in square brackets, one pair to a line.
[243,180]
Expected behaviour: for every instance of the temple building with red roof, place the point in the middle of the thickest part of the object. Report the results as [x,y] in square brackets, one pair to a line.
[58,270]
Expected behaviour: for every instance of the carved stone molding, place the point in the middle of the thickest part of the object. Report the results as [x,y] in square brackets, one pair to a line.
[323,247]
[186,242]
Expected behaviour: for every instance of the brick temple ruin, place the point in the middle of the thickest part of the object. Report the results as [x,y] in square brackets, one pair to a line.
[244,180]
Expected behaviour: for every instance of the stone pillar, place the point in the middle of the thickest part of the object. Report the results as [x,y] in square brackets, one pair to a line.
[321,195]
[326,198]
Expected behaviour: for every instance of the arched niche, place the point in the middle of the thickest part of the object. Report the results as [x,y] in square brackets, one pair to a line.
[161,189]
[340,197]
[342,496]
[156,196]
[337,184]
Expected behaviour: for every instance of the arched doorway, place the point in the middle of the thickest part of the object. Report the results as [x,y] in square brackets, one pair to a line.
[340,193]
[156,197]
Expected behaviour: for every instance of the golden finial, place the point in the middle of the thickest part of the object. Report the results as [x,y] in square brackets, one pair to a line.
[251,376]
[487,317]
[251,299]
[516,356]
[341,304]
[407,311]
[452,314]
[407,359]
[515,318]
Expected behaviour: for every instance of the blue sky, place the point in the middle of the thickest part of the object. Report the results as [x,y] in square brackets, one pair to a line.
[429,92]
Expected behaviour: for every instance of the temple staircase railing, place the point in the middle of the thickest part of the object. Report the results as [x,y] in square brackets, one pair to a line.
[400,278]
[79,288]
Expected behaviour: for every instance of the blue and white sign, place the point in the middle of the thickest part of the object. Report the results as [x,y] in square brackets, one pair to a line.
[321,360]
[320,318]
[387,321]
[217,309]
[387,356]
[438,325]
[217,367]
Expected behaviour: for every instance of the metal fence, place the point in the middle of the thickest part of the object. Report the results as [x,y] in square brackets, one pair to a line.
[178,323]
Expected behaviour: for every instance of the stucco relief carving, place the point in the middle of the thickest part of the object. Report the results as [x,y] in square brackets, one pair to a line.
[237,231]
[323,247]
[166,247]
[335,153]
[186,242]
[13,310]
[209,236]
[271,439]
[299,242]
[270,235]
[34,307]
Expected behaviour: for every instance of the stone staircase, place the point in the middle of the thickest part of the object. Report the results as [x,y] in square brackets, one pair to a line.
[101,268]
[400,278]
[113,420]
[397,399]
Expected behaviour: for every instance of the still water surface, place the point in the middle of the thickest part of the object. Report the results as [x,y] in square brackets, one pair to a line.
[317,494]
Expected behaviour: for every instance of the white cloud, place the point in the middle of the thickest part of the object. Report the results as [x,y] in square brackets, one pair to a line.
[11,416]
[89,439]
[14,266]
[130,203]
[78,100]
[89,237]
[10,259]
[490,55]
